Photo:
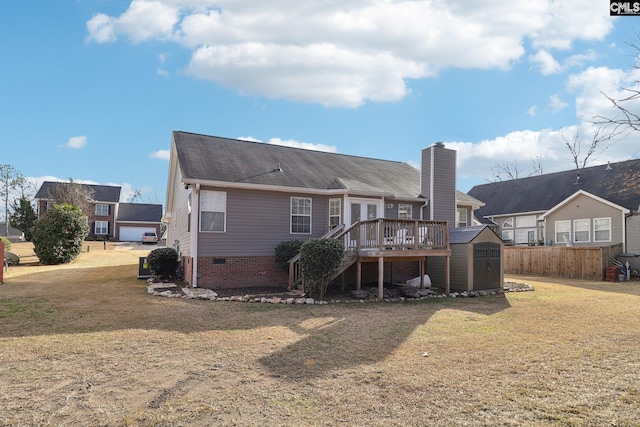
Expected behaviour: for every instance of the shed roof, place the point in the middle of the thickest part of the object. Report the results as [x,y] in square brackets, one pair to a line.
[211,158]
[467,234]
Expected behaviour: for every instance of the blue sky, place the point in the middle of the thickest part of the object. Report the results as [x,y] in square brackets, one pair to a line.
[92,89]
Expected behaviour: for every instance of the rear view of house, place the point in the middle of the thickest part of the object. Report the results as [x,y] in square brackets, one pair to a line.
[231,202]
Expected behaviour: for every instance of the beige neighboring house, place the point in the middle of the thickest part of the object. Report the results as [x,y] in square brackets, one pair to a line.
[594,206]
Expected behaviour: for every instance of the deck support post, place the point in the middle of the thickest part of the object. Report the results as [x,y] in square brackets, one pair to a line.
[421,273]
[359,275]
[380,278]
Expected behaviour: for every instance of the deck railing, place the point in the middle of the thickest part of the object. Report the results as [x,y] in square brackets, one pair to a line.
[383,234]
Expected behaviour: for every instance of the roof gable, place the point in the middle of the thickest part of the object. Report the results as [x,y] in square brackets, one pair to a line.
[586,194]
[101,193]
[213,159]
[618,183]
[468,234]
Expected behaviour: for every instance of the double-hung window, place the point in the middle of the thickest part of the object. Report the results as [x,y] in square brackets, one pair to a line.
[461,217]
[101,227]
[563,232]
[300,215]
[581,230]
[213,211]
[602,229]
[102,209]
[334,213]
[405,211]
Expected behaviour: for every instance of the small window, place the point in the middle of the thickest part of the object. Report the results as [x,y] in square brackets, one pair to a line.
[213,211]
[507,236]
[580,230]
[102,209]
[405,211]
[461,217]
[101,227]
[508,223]
[300,215]
[526,221]
[602,230]
[334,213]
[563,231]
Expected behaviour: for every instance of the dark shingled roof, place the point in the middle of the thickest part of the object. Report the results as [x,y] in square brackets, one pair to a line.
[466,234]
[139,212]
[618,183]
[210,158]
[101,193]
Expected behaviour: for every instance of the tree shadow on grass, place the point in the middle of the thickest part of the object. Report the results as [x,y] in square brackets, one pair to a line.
[332,337]
[364,334]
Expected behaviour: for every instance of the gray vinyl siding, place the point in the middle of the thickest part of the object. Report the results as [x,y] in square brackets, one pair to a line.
[583,207]
[633,234]
[444,183]
[177,229]
[392,212]
[256,221]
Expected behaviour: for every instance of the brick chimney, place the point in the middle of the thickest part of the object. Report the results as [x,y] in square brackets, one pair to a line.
[438,183]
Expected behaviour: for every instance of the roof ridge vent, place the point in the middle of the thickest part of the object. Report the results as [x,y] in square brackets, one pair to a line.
[577,179]
[608,166]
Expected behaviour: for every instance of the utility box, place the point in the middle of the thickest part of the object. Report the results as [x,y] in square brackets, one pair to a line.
[143,268]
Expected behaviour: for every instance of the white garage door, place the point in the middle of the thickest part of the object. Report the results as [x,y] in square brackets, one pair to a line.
[133,234]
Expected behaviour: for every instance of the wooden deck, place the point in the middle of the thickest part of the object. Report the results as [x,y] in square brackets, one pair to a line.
[383,240]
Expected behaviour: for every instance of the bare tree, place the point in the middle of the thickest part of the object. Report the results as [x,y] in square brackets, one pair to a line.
[136,194]
[72,193]
[599,143]
[9,178]
[505,171]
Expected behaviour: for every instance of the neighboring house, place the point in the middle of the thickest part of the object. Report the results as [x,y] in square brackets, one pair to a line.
[106,216]
[135,219]
[594,206]
[14,233]
[231,202]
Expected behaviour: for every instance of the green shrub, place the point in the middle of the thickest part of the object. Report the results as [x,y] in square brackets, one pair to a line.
[58,235]
[319,259]
[163,262]
[285,251]
[7,243]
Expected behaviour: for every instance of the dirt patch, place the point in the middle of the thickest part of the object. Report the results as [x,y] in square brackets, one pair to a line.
[84,344]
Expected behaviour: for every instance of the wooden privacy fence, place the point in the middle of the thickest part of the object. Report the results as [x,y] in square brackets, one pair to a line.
[587,263]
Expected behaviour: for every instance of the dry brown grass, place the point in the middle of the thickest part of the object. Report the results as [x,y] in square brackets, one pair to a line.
[83,344]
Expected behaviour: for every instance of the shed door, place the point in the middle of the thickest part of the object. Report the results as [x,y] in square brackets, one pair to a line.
[486,265]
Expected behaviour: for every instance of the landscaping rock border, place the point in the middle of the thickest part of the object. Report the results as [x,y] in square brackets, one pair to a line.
[172,290]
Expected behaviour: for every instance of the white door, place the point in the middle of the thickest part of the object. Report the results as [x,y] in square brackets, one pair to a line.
[363,210]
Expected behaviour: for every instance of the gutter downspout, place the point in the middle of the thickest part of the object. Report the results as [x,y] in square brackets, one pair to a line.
[195,220]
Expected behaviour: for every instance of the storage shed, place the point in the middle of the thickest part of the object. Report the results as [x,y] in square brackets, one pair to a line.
[476,260]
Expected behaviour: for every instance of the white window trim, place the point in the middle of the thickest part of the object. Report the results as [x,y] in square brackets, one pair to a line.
[410,210]
[504,223]
[95,228]
[586,221]
[203,194]
[555,235]
[339,215]
[291,215]
[594,230]
[95,211]
[466,216]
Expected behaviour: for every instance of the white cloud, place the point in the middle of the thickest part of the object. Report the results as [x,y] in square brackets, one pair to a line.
[532,111]
[556,103]
[160,154]
[76,142]
[295,144]
[161,72]
[354,51]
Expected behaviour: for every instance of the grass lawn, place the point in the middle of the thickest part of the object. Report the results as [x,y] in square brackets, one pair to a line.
[84,344]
